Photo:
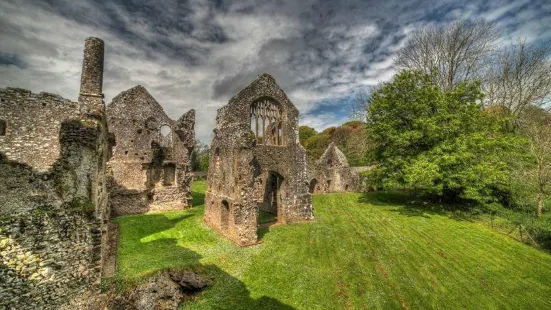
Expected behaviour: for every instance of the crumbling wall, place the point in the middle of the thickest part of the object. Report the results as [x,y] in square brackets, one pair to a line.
[150,167]
[52,223]
[241,163]
[52,160]
[53,197]
[332,173]
[48,257]
[230,204]
[32,128]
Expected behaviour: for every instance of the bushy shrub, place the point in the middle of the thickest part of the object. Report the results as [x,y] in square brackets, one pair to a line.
[440,142]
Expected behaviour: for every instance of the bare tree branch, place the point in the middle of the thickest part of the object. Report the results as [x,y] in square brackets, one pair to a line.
[357,109]
[520,77]
[452,53]
[538,132]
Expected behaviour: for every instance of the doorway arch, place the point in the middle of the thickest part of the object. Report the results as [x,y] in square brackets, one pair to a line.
[270,206]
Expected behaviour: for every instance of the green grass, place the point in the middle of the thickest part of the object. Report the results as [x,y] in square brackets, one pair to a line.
[362,252]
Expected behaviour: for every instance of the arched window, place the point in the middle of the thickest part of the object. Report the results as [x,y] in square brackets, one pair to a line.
[267,122]
[217,156]
[165,136]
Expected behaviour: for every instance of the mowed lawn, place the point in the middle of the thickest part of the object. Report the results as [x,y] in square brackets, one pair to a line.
[361,252]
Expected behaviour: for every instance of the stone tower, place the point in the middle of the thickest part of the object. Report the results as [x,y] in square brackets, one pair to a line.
[91,81]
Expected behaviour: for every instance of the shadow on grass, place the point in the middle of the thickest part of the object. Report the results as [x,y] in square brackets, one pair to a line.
[414,205]
[137,229]
[198,198]
[144,251]
[263,230]
[228,292]
[146,259]
[265,221]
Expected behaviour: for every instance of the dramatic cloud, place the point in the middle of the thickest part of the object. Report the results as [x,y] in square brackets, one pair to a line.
[197,54]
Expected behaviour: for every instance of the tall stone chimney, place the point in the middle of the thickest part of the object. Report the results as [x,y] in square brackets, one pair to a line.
[91,82]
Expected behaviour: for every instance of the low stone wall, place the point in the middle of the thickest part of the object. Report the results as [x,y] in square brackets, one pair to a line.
[47,258]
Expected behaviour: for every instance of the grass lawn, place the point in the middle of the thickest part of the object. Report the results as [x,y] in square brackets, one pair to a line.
[362,252]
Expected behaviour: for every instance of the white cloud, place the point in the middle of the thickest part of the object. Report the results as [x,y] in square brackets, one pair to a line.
[198,56]
[321,121]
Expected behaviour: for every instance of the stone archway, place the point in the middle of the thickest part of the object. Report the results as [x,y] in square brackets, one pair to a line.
[269,208]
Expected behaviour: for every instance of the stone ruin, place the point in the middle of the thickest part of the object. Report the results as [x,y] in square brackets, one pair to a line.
[66,167]
[53,195]
[257,164]
[150,166]
[58,189]
[331,173]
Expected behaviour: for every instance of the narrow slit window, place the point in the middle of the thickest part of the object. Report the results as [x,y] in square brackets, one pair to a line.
[2,127]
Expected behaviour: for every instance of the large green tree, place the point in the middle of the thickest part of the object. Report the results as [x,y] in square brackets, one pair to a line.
[305,133]
[437,141]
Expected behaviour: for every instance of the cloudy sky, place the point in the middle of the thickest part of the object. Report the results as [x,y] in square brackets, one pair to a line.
[198,53]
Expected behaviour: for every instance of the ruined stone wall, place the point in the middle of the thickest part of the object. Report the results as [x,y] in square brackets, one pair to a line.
[52,222]
[230,204]
[149,169]
[49,154]
[331,173]
[33,122]
[241,168]
[290,163]
[53,197]
[48,257]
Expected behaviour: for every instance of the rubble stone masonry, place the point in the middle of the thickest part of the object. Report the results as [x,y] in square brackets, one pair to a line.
[53,196]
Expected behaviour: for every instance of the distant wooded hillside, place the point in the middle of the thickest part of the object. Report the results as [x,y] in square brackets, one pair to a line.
[350,137]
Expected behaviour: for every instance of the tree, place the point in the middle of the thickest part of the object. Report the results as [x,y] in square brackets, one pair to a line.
[538,175]
[439,142]
[351,138]
[304,133]
[199,156]
[358,106]
[204,162]
[316,145]
[450,54]
[519,78]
